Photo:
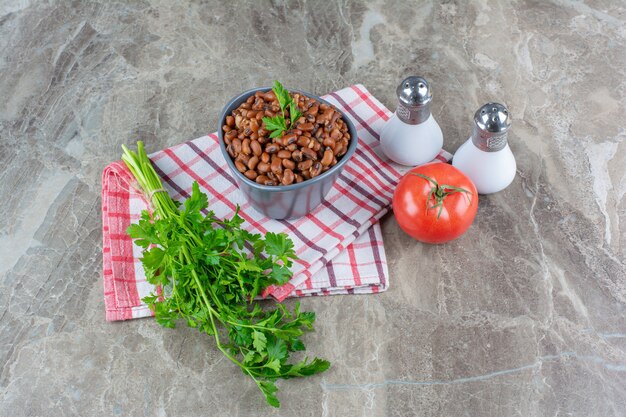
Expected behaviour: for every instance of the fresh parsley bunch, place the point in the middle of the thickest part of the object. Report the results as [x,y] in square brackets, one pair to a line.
[208,272]
[278,124]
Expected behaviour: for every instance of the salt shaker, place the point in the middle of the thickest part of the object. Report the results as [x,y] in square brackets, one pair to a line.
[486,157]
[412,136]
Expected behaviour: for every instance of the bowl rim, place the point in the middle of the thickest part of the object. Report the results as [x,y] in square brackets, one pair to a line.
[354,139]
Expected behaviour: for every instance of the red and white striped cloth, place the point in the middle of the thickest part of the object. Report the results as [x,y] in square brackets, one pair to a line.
[339,244]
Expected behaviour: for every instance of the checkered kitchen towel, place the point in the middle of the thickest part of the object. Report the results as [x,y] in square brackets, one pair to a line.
[339,244]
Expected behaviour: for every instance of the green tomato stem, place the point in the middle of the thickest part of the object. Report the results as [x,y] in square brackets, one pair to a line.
[439,192]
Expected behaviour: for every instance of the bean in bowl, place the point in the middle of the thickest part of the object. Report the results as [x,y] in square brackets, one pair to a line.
[297,151]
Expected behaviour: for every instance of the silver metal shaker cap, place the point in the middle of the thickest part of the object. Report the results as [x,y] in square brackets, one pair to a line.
[414,97]
[491,124]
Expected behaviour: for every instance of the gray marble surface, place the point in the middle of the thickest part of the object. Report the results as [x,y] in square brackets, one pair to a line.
[522,316]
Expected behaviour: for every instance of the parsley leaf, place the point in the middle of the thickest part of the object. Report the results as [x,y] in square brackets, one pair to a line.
[274,123]
[294,113]
[152,259]
[278,244]
[278,124]
[282,95]
[280,274]
[198,200]
[259,341]
[269,390]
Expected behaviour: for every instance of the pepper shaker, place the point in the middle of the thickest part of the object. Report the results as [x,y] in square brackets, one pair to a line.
[486,157]
[412,136]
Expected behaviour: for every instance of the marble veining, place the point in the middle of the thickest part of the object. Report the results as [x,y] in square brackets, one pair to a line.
[523,316]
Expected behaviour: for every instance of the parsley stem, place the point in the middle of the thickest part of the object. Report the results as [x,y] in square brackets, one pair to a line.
[212,312]
[252,326]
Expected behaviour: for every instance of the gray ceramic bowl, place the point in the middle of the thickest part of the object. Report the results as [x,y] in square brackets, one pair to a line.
[290,201]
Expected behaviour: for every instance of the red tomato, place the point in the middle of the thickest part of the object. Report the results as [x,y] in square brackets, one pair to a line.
[435,203]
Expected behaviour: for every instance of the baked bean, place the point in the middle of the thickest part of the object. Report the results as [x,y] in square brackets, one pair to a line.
[306,126]
[296,156]
[305,165]
[241,167]
[344,149]
[230,121]
[292,147]
[271,148]
[284,154]
[338,148]
[265,157]
[330,142]
[309,153]
[303,141]
[243,158]
[277,166]
[231,134]
[251,174]
[289,164]
[289,139]
[253,161]
[288,177]
[237,146]
[316,169]
[327,158]
[226,128]
[255,146]
[263,167]
[258,103]
[245,146]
